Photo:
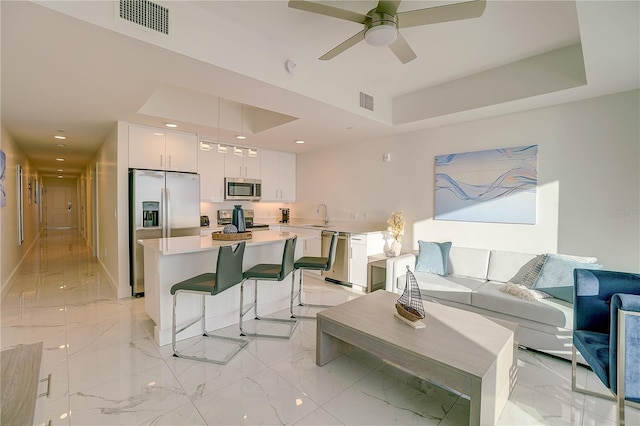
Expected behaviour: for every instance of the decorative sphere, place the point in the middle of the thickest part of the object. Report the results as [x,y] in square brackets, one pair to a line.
[230,229]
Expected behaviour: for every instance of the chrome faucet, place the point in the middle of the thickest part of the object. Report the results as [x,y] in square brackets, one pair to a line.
[326,213]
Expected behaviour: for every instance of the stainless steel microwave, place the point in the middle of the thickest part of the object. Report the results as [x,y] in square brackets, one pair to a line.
[242,189]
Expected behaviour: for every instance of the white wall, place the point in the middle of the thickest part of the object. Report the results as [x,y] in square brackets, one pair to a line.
[12,253]
[107,196]
[588,180]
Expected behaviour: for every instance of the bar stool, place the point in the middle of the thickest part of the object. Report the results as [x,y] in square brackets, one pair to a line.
[312,263]
[269,272]
[228,273]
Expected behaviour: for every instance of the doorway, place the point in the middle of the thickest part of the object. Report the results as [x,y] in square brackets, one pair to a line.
[59,207]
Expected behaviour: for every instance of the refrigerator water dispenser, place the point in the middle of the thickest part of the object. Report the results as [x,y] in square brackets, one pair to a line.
[150,214]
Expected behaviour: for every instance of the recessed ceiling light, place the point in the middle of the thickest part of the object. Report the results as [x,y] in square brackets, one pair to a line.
[241,137]
[299,141]
[61,145]
[59,159]
[171,125]
[59,137]
[59,176]
[60,170]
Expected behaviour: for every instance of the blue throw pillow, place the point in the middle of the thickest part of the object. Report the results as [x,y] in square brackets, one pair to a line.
[556,277]
[433,257]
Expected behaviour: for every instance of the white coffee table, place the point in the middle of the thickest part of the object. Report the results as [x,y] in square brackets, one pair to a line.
[465,351]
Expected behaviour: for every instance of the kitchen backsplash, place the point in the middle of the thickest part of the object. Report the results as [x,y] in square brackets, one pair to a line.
[264,211]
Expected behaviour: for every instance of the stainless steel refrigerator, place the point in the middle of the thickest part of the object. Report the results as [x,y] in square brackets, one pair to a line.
[161,205]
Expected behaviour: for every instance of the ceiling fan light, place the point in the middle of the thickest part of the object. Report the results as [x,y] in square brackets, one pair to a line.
[381,35]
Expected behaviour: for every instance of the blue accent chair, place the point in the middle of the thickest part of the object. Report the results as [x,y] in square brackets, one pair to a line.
[606,332]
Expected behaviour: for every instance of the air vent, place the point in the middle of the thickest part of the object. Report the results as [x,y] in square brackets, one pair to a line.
[146,13]
[366,101]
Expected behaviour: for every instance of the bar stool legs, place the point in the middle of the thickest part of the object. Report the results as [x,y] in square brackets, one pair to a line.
[240,343]
[254,306]
[298,295]
[269,272]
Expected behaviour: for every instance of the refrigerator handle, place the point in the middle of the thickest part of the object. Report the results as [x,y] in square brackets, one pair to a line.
[167,199]
[163,213]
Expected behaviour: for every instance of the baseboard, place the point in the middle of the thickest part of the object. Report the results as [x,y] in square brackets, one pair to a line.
[6,286]
[109,278]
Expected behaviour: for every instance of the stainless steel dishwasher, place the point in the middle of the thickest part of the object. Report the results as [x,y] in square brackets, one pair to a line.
[339,273]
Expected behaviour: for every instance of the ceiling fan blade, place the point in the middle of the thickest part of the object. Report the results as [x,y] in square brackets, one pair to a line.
[433,15]
[352,41]
[323,9]
[390,7]
[402,50]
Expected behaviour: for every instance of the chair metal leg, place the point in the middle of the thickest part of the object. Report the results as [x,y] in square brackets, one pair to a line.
[241,343]
[574,386]
[298,295]
[254,306]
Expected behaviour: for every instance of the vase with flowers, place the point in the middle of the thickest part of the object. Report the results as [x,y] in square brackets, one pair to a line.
[393,234]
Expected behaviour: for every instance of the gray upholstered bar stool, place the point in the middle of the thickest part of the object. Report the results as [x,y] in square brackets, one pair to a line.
[228,273]
[314,263]
[269,272]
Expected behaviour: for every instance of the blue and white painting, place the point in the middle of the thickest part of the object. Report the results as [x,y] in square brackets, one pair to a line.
[496,185]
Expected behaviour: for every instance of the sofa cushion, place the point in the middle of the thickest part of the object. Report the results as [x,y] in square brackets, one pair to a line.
[556,277]
[433,257]
[510,266]
[469,262]
[550,311]
[451,287]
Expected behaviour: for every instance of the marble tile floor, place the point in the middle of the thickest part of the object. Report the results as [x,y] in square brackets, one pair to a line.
[107,370]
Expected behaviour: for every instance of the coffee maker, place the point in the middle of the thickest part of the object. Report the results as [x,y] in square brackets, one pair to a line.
[284,215]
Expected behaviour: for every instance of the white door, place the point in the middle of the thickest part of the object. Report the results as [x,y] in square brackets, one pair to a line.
[59,207]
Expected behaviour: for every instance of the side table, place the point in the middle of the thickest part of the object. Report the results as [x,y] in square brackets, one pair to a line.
[377,272]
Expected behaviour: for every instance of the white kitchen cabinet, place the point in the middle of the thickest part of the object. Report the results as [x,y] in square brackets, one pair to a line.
[363,246]
[211,170]
[182,151]
[242,166]
[159,149]
[287,176]
[278,176]
[358,260]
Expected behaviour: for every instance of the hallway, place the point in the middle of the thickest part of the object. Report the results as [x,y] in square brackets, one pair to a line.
[106,370]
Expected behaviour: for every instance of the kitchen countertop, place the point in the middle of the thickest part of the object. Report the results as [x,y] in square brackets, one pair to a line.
[179,245]
[351,227]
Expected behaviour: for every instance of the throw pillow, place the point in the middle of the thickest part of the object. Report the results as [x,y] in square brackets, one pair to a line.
[433,257]
[534,271]
[556,277]
[522,292]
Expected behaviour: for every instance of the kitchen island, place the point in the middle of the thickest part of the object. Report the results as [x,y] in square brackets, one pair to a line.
[168,261]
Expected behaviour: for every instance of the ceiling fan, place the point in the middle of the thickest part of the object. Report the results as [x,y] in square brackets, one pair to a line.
[381,24]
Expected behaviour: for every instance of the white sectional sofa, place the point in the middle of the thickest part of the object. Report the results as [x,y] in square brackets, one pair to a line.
[473,283]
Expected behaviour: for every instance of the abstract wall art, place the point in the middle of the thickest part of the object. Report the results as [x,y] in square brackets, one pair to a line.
[496,185]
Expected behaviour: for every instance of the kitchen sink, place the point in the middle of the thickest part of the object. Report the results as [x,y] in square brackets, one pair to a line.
[318,226]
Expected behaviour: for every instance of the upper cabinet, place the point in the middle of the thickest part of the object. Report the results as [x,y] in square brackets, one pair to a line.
[242,163]
[278,176]
[211,171]
[159,149]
